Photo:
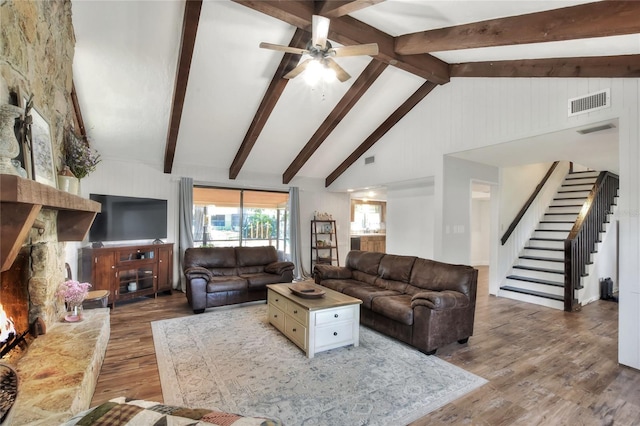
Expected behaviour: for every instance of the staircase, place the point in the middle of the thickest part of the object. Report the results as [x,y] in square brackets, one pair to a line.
[538,276]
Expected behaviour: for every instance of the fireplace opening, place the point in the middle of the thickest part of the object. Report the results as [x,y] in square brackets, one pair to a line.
[15,330]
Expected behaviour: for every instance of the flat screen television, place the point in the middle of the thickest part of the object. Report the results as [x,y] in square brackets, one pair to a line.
[128,218]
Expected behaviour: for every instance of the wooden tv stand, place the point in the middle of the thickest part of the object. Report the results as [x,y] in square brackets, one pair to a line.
[128,271]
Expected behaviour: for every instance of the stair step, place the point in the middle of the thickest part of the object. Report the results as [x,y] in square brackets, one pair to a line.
[542,259]
[536,280]
[533,268]
[533,293]
[543,248]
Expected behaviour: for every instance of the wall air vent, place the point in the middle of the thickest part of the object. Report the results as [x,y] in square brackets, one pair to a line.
[369,160]
[590,103]
[595,129]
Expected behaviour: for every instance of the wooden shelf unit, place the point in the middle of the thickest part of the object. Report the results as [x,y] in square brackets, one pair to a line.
[128,272]
[324,243]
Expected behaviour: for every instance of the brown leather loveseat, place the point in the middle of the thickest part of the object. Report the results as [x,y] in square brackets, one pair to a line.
[424,303]
[218,276]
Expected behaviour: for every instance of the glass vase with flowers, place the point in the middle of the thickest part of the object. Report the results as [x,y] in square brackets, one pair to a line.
[73,293]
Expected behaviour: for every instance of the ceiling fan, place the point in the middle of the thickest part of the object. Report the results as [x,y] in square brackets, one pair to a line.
[321,51]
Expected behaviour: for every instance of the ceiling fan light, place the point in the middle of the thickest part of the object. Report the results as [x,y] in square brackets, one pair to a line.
[313,73]
[329,75]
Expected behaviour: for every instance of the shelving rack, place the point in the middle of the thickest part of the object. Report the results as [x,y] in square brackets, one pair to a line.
[324,243]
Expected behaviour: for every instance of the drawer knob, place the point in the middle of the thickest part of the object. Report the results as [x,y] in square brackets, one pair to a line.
[275,316]
[294,330]
[335,333]
[277,300]
[295,312]
[335,316]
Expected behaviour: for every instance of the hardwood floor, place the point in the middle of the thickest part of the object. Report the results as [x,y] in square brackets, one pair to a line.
[543,366]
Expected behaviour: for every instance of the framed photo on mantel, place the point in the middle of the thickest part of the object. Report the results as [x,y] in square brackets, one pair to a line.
[43,169]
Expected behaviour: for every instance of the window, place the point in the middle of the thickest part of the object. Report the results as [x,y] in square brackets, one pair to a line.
[238,217]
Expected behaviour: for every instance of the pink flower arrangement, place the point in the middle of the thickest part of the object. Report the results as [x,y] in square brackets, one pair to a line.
[73,292]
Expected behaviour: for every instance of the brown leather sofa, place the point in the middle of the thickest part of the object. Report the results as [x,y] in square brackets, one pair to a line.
[218,276]
[424,303]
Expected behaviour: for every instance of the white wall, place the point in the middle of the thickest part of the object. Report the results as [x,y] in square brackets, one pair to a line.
[456,208]
[480,227]
[517,185]
[410,220]
[629,214]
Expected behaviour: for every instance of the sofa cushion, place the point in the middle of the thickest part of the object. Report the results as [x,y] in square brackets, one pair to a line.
[367,293]
[339,285]
[245,270]
[397,286]
[364,277]
[364,261]
[232,283]
[261,279]
[210,257]
[397,268]
[397,308]
[252,256]
[433,275]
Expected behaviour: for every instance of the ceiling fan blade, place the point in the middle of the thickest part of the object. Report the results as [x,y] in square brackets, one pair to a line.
[281,48]
[370,49]
[319,31]
[297,70]
[341,74]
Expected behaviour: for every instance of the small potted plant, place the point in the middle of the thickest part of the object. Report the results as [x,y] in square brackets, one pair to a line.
[79,158]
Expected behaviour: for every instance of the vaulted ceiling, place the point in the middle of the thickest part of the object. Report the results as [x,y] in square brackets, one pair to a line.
[174,82]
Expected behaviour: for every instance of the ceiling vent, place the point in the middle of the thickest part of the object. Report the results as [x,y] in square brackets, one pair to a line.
[590,103]
[595,129]
[369,160]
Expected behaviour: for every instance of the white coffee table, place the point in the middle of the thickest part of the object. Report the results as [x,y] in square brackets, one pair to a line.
[318,324]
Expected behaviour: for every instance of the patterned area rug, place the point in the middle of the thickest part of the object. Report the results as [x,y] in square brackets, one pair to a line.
[234,360]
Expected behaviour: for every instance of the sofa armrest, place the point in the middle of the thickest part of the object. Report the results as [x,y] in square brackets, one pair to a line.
[279,267]
[198,272]
[328,272]
[440,300]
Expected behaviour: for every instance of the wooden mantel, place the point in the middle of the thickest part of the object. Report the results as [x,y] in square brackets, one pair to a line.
[20,202]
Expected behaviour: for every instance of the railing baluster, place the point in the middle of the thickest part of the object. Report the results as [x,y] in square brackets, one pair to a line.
[585,234]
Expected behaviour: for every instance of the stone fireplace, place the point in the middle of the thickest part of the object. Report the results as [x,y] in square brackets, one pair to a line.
[58,371]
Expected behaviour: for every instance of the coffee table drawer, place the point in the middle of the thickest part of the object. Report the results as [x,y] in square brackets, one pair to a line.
[334,336]
[276,317]
[298,312]
[296,332]
[330,316]
[278,300]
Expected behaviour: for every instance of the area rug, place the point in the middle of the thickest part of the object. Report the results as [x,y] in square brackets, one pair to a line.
[234,360]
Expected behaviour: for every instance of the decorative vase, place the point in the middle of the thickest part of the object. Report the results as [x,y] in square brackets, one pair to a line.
[9,147]
[74,312]
[68,182]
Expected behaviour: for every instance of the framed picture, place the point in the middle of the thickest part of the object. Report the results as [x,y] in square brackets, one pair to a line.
[43,169]
[24,157]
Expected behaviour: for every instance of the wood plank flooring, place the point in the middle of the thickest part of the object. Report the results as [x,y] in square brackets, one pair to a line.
[543,366]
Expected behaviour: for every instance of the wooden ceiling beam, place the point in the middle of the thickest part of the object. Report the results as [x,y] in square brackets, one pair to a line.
[270,99]
[625,66]
[353,95]
[338,8]
[598,19]
[391,121]
[349,31]
[77,113]
[187,42]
